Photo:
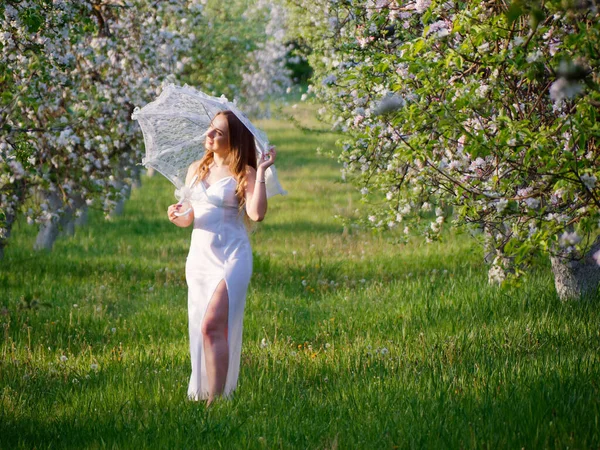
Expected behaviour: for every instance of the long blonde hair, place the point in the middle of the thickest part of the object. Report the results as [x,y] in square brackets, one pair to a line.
[243,155]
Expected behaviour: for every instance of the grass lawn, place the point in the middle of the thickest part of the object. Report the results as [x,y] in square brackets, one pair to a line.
[350,340]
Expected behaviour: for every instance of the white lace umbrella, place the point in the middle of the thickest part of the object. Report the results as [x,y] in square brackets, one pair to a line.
[174,127]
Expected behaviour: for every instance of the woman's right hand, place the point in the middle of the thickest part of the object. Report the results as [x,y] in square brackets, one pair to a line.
[181,221]
[172,210]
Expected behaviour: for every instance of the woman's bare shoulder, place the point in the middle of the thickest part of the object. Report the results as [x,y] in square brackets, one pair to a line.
[194,166]
[192,170]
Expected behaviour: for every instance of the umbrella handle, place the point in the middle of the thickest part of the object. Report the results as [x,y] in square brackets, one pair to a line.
[189,210]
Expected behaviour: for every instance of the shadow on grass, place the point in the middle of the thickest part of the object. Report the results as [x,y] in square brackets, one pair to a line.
[295,227]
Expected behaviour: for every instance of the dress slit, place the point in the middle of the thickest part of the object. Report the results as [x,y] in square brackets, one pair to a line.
[204,381]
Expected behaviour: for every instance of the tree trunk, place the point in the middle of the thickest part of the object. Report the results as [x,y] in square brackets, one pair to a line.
[136,177]
[49,230]
[119,208]
[8,223]
[82,218]
[125,192]
[489,246]
[150,172]
[70,220]
[577,279]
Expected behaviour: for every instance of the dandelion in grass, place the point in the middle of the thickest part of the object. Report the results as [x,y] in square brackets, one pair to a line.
[63,358]
[264,343]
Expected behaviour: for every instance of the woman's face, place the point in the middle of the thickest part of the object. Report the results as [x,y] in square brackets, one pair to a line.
[217,136]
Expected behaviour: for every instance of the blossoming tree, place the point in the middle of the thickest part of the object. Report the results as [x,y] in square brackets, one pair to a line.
[72,73]
[483,110]
[70,76]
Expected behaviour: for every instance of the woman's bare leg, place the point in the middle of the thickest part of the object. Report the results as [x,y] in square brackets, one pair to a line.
[216,348]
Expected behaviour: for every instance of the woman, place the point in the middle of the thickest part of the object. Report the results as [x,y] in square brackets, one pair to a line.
[227,187]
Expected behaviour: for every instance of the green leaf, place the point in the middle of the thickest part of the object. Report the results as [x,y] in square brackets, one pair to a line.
[537,16]
[33,20]
[515,10]
[418,46]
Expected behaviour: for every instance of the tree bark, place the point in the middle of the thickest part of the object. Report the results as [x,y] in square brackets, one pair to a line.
[489,246]
[577,279]
[8,223]
[136,177]
[49,230]
[70,220]
[125,190]
[82,218]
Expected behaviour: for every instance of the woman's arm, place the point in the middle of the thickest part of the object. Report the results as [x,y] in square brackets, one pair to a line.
[180,221]
[256,191]
[188,219]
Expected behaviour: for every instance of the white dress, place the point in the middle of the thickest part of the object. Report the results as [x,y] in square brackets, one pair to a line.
[219,250]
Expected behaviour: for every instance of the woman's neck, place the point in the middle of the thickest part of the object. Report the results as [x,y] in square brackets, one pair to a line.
[220,161]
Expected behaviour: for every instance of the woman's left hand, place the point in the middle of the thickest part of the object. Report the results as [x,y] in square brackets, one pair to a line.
[267,159]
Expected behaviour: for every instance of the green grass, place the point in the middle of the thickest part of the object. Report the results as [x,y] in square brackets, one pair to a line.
[370,344]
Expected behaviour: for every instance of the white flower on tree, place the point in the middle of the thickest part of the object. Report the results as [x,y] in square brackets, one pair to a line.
[422,5]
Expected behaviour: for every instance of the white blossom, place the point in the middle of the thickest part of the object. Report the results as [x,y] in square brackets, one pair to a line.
[532,202]
[569,239]
[563,89]
[596,257]
[389,103]
[330,79]
[439,29]
[534,56]
[422,5]
[589,181]
[496,275]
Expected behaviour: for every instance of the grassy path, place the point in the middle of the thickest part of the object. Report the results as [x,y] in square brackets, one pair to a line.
[350,341]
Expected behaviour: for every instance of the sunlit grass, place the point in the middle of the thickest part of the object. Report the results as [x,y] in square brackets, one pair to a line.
[350,340]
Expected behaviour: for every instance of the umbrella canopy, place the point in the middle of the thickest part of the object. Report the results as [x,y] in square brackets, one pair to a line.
[174,127]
